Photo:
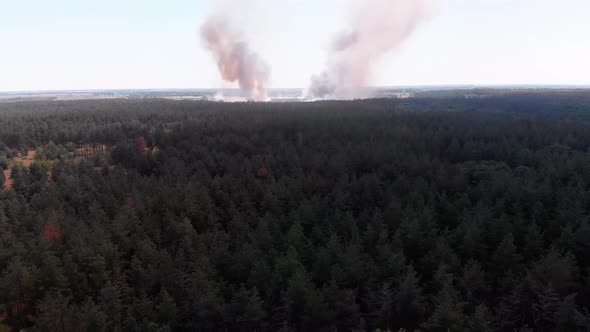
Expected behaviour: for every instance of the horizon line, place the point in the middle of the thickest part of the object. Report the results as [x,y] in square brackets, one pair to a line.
[425,86]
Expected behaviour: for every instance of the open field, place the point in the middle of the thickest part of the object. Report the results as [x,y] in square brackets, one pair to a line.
[285,95]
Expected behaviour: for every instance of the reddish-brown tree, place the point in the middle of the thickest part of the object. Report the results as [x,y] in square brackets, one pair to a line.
[263,172]
[51,231]
[141,146]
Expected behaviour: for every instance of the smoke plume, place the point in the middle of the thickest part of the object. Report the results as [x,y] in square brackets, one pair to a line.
[235,60]
[377,27]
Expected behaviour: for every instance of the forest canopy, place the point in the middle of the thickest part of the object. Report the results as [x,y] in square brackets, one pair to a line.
[434,214]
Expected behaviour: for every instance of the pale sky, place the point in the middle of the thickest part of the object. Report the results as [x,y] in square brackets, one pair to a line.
[142,44]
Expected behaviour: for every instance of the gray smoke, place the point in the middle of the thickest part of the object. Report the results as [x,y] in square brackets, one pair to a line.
[377,27]
[235,60]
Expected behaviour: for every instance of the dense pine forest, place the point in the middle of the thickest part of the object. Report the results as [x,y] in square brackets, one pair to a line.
[438,213]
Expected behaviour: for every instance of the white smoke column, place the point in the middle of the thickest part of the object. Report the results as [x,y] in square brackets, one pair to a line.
[377,27]
[235,60]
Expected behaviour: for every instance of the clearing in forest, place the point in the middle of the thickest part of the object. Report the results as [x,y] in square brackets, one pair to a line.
[25,160]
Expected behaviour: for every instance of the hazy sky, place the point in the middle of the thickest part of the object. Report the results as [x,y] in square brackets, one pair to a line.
[82,44]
